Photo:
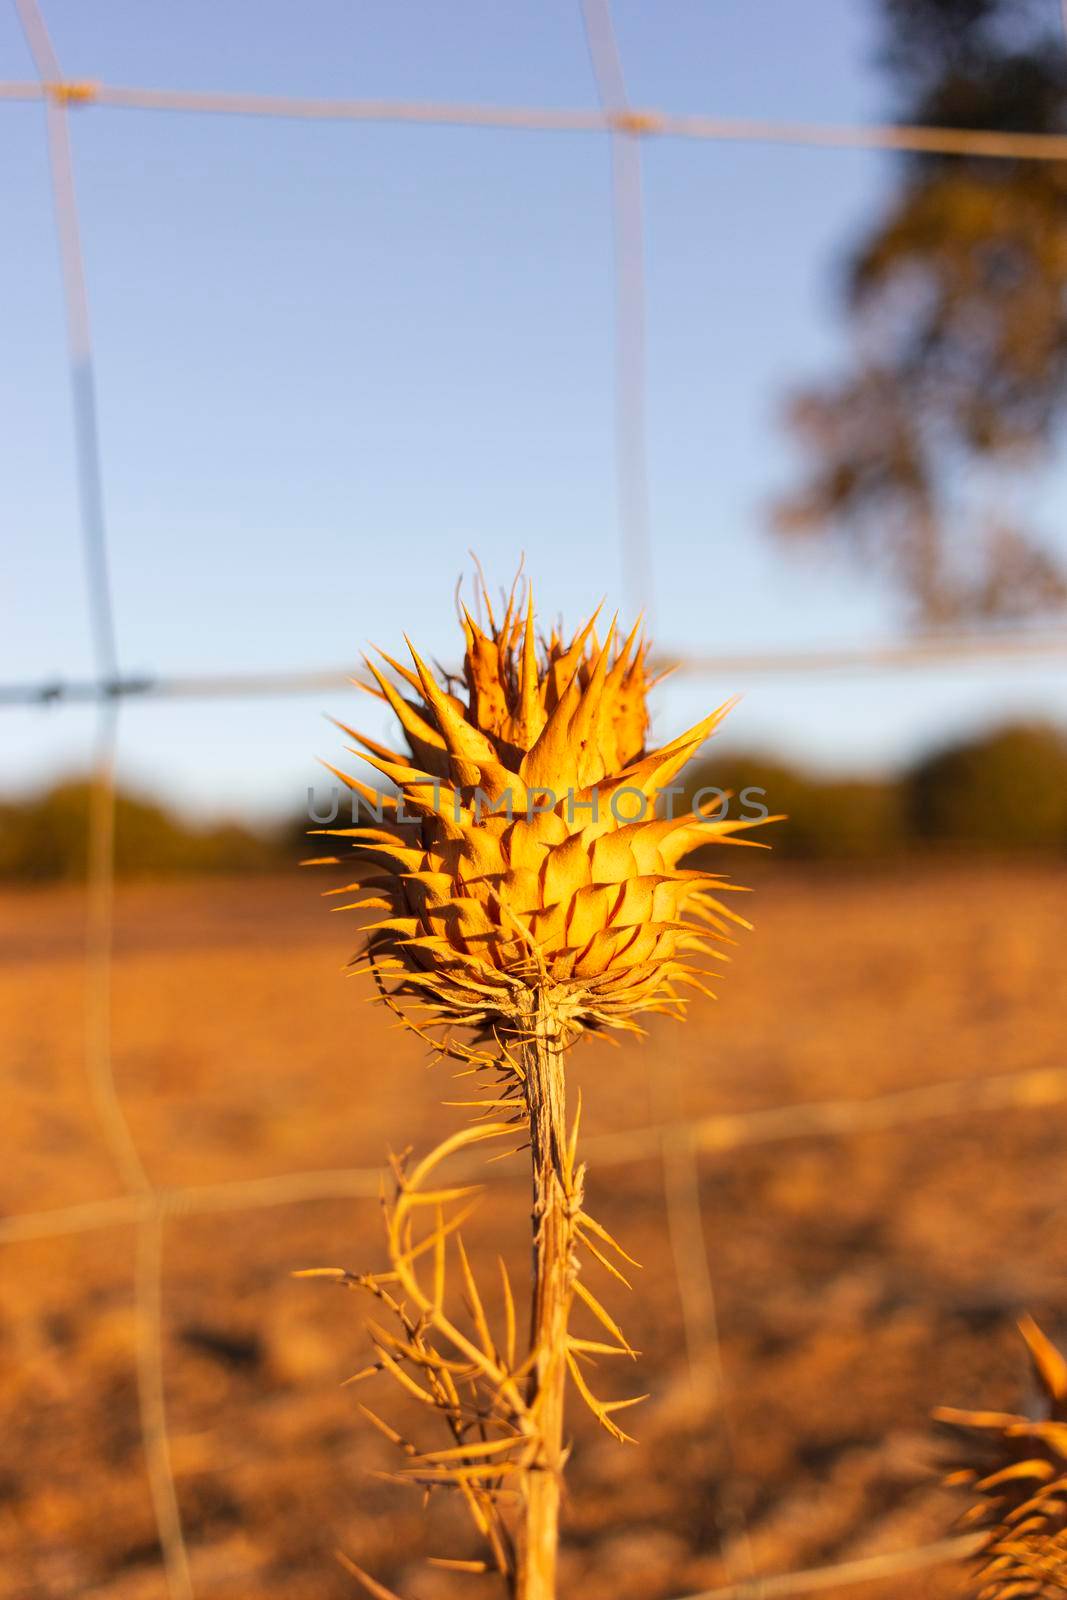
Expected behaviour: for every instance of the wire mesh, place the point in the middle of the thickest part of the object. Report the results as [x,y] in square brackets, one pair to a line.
[676,1142]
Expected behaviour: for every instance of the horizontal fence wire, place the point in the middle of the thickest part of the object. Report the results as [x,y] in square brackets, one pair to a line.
[637,121]
[718,1134]
[922,653]
[842,1574]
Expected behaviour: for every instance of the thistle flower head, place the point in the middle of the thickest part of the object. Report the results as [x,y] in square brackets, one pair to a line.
[1017,1468]
[530,873]
[528,844]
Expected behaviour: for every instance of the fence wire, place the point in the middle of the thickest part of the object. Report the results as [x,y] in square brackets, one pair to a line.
[923,653]
[866,1569]
[148,1286]
[631,451]
[676,1143]
[978,143]
[720,1134]
[678,1160]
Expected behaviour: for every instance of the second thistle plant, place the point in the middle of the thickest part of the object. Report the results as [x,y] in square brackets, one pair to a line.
[1015,1469]
[531,890]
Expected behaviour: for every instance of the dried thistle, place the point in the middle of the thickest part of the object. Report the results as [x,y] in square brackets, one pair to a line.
[532,891]
[1017,1466]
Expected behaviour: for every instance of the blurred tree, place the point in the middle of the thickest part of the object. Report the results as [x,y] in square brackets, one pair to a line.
[1004,791]
[826,819]
[957,300]
[44,838]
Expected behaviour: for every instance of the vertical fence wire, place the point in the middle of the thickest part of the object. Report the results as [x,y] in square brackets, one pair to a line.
[631,452]
[678,1155]
[100,867]
[151,1399]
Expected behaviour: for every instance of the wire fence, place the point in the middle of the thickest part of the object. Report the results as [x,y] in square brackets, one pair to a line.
[925,653]
[639,122]
[675,1142]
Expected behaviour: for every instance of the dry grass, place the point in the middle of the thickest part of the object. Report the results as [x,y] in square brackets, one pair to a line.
[859,1282]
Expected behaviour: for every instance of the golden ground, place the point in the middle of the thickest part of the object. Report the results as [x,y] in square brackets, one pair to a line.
[859,1280]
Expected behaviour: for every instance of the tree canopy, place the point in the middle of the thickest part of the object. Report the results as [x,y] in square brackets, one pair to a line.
[957,377]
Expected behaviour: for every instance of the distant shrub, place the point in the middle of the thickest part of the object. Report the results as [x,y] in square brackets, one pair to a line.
[843,819]
[44,838]
[1004,791]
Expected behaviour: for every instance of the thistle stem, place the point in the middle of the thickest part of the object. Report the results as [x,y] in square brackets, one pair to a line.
[556,1202]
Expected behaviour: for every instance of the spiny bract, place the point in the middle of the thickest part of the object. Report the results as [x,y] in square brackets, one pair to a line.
[1018,1467]
[523,849]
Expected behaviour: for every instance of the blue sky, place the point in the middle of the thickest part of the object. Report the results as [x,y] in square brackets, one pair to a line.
[332,357]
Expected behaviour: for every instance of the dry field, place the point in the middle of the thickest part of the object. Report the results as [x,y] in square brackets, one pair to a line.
[859,1279]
